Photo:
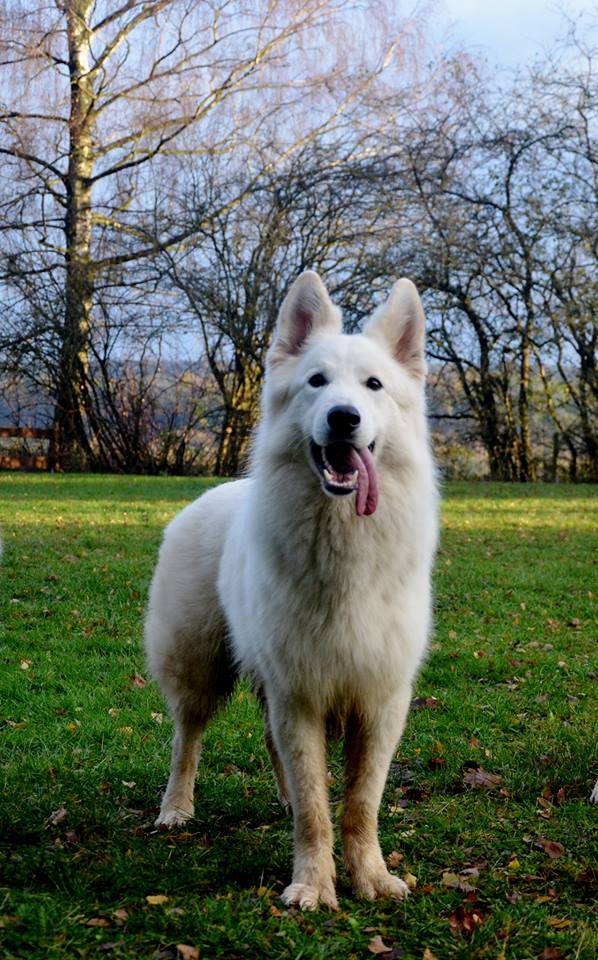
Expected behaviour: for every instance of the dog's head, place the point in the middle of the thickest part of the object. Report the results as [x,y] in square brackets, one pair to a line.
[343,401]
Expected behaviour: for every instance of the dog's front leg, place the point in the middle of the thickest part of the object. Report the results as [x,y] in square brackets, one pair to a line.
[370,742]
[300,738]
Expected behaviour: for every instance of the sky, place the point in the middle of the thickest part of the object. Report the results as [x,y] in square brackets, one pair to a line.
[509,32]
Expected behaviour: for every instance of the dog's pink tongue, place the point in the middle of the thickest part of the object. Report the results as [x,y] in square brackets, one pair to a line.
[366,499]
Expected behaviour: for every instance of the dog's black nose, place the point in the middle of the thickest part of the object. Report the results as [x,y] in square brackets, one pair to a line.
[343,420]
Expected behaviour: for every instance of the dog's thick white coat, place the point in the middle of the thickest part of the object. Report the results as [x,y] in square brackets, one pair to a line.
[328,612]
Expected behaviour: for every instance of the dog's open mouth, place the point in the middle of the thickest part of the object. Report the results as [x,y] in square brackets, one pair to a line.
[344,469]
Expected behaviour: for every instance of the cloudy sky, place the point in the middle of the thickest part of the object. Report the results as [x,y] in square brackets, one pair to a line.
[509,32]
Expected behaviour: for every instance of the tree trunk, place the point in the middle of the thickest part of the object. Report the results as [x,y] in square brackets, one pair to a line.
[71,447]
[526,468]
[240,418]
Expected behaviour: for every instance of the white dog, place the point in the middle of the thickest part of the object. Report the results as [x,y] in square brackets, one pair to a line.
[312,577]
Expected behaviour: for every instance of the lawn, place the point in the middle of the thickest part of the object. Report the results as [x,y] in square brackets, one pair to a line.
[486,808]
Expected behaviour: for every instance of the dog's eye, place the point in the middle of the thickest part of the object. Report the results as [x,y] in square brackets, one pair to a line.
[318,380]
[373,383]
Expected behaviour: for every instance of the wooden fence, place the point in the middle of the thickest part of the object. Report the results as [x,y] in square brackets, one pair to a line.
[21,457]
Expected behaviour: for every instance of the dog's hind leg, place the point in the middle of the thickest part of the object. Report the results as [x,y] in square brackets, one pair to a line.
[370,742]
[193,700]
[177,804]
[279,774]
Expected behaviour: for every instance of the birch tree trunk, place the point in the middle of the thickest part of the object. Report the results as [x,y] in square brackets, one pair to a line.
[71,447]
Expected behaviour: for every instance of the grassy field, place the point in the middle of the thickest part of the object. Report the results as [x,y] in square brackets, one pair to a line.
[486,806]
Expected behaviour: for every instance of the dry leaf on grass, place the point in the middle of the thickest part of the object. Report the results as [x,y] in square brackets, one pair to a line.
[553,848]
[419,703]
[377,945]
[57,816]
[480,779]
[465,919]
[156,899]
[394,859]
[187,952]
[455,882]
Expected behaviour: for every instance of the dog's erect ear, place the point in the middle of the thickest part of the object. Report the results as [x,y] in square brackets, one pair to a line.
[400,323]
[306,309]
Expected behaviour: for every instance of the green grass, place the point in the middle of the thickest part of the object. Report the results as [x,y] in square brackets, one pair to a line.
[85,748]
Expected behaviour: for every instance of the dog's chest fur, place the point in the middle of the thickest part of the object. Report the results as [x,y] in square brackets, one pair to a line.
[330,611]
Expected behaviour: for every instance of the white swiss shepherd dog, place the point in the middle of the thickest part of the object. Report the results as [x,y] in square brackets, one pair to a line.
[312,577]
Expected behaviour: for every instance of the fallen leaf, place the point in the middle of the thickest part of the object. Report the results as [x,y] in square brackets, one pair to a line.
[186,952]
[137,680]
[466,919]
[418,703]
[551,953]
[120,915]
[553,848]
[112,945]
[480,779]
[454,882]
[474,869]
[156,899]
[274,911]
[57,816]
[97,922]
[377,945]
[428,955]
[450,880]
[168,952]
[394,859]
[410,880]
[559,923]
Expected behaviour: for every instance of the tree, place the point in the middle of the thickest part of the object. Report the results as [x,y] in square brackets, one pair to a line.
[320,212]
[116,97]
[482,207]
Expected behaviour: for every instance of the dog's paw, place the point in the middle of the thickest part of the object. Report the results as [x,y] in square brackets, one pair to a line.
[308,897]
[173,817]
[382,884]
